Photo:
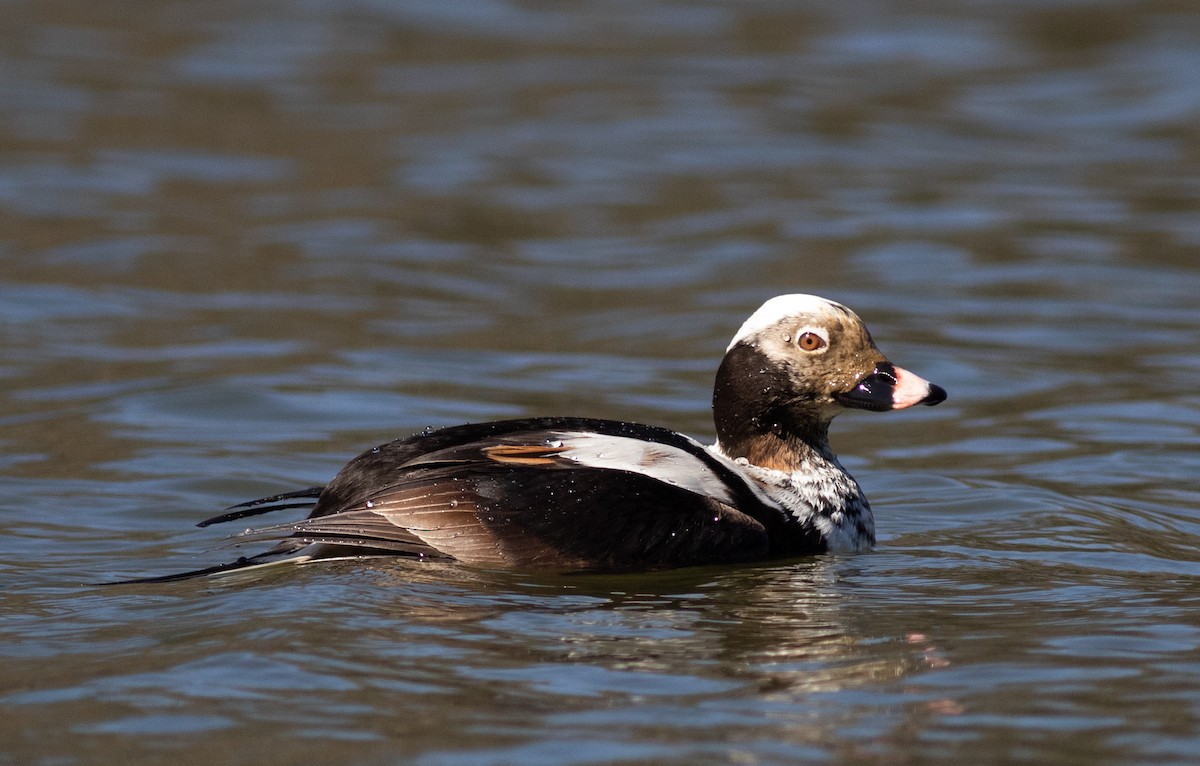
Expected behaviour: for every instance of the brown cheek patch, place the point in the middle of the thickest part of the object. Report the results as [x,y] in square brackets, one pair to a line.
[857,358]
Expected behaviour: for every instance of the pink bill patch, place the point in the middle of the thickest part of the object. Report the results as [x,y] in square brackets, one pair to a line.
[910,389]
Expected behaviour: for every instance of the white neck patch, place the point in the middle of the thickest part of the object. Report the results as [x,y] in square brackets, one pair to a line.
[782,306]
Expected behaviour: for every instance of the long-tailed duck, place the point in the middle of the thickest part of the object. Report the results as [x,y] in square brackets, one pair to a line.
[566,493]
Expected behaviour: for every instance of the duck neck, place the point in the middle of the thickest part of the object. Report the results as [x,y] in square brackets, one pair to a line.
[782,445]
[770,442]
[757,418]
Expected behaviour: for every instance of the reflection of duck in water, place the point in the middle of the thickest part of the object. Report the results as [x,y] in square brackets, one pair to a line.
[586,494]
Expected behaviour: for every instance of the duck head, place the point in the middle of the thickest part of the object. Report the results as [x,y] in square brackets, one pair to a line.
[792,367]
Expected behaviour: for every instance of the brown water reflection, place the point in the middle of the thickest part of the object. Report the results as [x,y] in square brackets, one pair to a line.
[240,243]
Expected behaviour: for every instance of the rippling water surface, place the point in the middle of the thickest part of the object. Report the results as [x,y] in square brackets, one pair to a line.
[239,243]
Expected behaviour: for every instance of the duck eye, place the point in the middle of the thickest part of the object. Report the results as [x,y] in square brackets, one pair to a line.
[810,341]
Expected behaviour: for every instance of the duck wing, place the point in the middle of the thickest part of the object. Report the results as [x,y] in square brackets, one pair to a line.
[560,493]
[579,518]
[567,494]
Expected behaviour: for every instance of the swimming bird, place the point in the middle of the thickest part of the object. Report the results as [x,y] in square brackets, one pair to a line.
[571,493]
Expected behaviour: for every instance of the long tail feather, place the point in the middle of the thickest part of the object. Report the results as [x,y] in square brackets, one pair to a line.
[281,554]
[243,563]
[265,505]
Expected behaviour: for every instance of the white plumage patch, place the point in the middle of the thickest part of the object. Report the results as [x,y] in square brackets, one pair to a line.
[819,494]
[658,461]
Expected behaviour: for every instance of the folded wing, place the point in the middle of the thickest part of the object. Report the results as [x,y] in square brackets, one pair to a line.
[568,498]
